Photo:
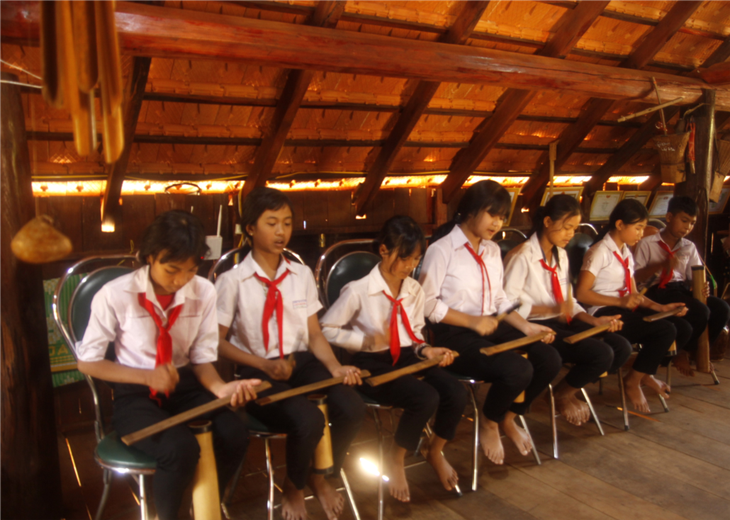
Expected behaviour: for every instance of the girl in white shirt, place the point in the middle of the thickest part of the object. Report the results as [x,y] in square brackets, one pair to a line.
[537,274]
[462,280]
[380,318]
[269,305]
[606,284]
[162,321]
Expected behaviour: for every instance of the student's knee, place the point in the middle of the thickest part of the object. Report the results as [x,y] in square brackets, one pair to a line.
[515,370]
[350,406]
[546,359]
[621,348]
[308,424]
[178,451]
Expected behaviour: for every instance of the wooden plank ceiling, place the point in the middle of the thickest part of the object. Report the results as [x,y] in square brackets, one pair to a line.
[465,87]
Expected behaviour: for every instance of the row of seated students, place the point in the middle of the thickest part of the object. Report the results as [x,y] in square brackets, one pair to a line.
[169,326]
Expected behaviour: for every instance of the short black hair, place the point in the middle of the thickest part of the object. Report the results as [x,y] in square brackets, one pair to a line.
[683,204]
[179,234]
[402,235]
[259,200]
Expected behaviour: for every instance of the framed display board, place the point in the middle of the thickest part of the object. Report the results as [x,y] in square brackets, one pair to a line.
[641,196]
[658,207]
[513,193]
[573,191]
[719,206]
[603,204]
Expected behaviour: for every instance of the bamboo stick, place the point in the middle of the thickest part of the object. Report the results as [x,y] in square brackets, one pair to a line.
[702,356]
[412,369]
[575,338]
[263,401]
[650,110]
[496,349]
[661,315]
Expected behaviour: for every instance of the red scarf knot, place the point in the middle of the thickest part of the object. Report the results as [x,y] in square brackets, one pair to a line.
[555,281]
[627,274]
[273,303]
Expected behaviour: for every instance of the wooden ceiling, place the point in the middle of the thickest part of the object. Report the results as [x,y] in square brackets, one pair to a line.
[259,90]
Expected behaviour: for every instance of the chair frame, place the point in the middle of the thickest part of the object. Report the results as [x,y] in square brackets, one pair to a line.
[319,269]
[71,340]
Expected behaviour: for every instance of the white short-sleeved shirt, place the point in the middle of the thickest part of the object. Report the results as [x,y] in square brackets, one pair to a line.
[525,278]
[117,316]
[363,310]
[603,264]
[648,251]
[452,278]
[241,298]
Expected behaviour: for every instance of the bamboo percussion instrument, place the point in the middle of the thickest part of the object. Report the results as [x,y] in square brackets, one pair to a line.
[323,463]
[517,343]
[661,315]
[672,349]
[49,60]
[521,398]
[702,356]
[206,500]
[509,311]
[183,417]
[575,338]
[84,24]
[305,389]
[412,369]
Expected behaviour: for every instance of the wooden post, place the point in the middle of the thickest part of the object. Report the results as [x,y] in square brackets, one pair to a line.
[31,481]
[698,185]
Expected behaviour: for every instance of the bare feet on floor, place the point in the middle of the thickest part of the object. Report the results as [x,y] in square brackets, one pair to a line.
[397,476]
[516,434]
[292,502]
[490,440]
[446,473]
[573,409]
[634,393]
[332,501]
[681,362]
[660,387]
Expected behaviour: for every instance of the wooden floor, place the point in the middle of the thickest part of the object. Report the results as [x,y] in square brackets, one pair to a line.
[669,466]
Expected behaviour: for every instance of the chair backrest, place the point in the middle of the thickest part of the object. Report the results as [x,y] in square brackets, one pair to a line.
[576,249]
[507,245]
[228,260]
[657,223]
[350,267]
[328,259]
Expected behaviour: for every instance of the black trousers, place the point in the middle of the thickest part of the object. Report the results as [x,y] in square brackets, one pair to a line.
[176,449]
[656,338]
[590,357]
[302,420]
[713,316]
[439,392]
[509,373]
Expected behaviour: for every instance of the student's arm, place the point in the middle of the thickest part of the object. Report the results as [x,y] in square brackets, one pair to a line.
[240,392]
[164,378]
[594,321]
[585,294]
[528,328]
[276,369]
[643,269]
[338,317]
[323,352]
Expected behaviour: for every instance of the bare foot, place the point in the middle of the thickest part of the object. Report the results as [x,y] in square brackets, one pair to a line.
[569,408]
[490,440]
[517,435]
[660,387]
[681,363]
[585,411]
[331,500]
[448,476]
[292,502]
[397,481]
[634,393]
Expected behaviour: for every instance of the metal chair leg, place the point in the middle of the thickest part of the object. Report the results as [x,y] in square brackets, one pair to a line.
[379,432]
[714,376]
[624,409]
[142,498]
[664,403]
[232,488]
[553,423]
[107,476]
[600,386]
[350,496]
[270,471]
[534,448]
[475,450]
[593,411]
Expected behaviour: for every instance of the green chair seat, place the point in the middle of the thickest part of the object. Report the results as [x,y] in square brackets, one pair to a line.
[111,451]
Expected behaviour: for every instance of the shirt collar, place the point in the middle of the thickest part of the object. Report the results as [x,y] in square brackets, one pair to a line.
[249,267]
[539,254]
[377,284]
[611,245]
[459,239]
[141,283]
[677,246]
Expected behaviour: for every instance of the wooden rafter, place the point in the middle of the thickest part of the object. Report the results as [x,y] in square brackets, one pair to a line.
[569,29]
[325,15]
[596,108]
[722,53]
[414,109]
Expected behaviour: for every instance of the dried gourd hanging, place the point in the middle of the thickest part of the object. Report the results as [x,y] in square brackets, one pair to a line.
[38,242]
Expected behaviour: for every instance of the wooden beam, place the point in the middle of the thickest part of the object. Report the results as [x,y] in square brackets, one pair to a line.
[110,208]
[408,118]
[718,74]
[178,33]
[596,107]
[325,15]
[722,53]
[569,30]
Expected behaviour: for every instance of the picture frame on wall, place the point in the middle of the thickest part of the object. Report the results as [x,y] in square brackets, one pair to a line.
[513,194]
[641,196]
[660,203]
[718,207]
[603,204]
[573,191]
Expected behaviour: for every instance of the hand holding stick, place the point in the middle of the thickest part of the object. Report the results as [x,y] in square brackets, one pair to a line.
[412,369]
[575,338]
[514,307]
[661,315]
[305,389]
[510,345]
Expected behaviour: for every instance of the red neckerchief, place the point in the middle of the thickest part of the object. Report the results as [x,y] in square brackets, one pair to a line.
[164,340]
[273,303]
[627,274]
[666,274]
[557,290]
[394,335]
[484,273]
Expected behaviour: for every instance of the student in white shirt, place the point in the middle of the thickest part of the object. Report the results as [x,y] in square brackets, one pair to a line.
[671,256]
[162,321]
[606,284]
[537,273]
[269,305]
[380,318]
[462,280]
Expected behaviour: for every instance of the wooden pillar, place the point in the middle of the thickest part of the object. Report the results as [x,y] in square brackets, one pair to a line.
[698,185]
[31,482]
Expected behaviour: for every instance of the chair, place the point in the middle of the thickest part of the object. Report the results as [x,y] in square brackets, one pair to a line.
[576,250]
[257,428]
[110,453]
[508,244]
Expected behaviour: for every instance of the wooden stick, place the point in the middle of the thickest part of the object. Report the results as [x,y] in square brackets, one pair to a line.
[395,374]
[661,315]
[305,389]
[501,317]
[702,355]
[650,110]
[661,110]
[496,349]
[575,338]
[183,417]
